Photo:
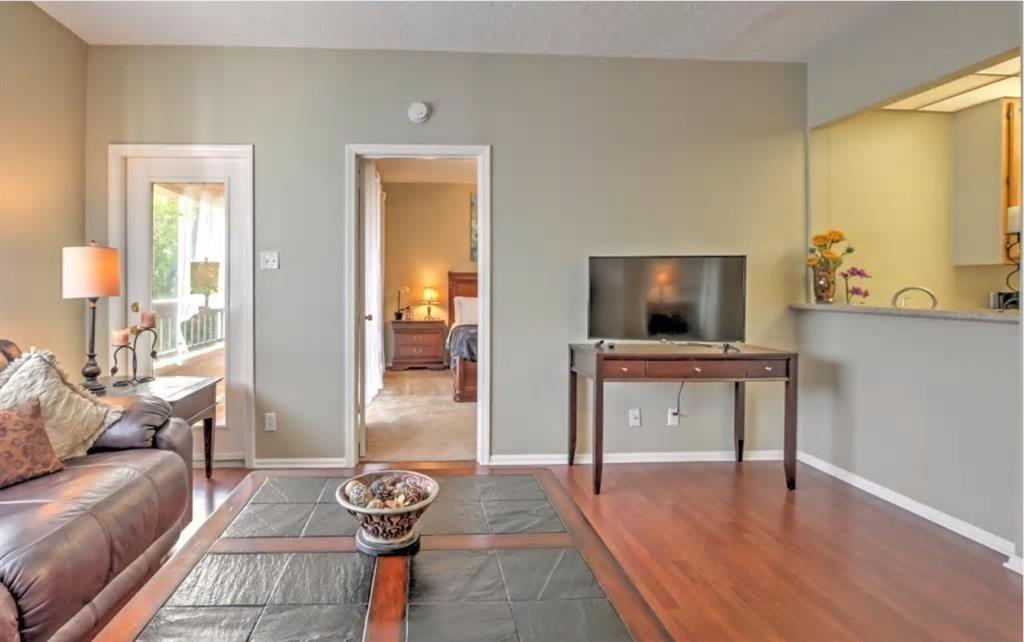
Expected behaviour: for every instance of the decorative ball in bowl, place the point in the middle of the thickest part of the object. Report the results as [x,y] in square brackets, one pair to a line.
[387,504]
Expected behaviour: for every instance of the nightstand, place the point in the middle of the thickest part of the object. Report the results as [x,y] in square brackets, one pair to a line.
[419,344]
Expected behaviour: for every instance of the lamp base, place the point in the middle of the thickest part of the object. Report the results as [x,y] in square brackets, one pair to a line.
[94,386]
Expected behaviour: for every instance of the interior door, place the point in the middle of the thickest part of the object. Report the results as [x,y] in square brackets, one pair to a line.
[178,265]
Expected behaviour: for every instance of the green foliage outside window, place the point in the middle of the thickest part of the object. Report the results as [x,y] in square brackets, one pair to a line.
[165,246]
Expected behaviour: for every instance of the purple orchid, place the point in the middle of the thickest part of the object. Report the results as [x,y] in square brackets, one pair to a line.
[856,290]
[855,272]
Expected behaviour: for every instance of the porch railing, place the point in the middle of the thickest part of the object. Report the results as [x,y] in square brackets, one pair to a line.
[204,328]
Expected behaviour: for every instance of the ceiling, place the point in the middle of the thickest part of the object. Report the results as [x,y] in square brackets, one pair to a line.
[758,31]
[426,170]
[1001,80]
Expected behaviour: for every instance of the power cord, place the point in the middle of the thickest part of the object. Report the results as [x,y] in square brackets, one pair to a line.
[679,399]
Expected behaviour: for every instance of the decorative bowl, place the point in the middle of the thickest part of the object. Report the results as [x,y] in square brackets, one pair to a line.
[384,531]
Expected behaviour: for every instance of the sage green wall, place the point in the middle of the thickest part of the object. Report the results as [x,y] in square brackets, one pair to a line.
[912,44]
[590,156]
[42,174]
[928,408]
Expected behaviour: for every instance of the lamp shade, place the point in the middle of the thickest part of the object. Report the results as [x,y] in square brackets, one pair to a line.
[91,271]
[430,295]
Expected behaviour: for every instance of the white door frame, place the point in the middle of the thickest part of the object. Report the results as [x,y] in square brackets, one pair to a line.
[353,312]
[241,275]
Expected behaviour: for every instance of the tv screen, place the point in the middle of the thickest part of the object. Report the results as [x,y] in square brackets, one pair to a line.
[691,298]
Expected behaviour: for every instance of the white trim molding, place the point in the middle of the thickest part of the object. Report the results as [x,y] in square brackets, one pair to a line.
[1015,563]
[353,311]
[555,459]
[241,242]
[223,460]
[955,524]
[300,462]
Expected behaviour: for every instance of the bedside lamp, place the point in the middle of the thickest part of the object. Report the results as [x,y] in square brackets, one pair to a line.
[91,272]
[430,297]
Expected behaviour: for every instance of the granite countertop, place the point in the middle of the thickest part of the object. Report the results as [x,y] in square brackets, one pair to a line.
[980,314]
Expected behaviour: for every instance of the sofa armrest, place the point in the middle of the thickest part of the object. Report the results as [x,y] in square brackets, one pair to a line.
[8,616]
[176,435]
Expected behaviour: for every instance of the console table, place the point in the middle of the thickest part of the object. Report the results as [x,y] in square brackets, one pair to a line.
[691,364]
[192,399]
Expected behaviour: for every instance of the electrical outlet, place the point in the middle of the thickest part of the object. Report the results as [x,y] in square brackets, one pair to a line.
[270,422]
[634,417]
[673,417]
[270,260]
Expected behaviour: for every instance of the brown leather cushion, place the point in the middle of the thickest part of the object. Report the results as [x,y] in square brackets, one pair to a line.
[9,349]
[64,536]
[25,450]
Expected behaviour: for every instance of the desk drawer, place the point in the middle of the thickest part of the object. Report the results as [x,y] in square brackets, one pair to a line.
[622,369]
[698,369]
[766,369]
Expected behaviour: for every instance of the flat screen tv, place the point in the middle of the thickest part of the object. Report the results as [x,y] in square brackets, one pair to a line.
[679,298]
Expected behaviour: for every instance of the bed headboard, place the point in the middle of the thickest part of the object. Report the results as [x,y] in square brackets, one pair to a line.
[459,284]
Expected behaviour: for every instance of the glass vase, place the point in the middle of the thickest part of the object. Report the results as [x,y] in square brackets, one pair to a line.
[824,283]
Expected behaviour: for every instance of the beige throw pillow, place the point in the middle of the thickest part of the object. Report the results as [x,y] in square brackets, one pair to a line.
[73,417]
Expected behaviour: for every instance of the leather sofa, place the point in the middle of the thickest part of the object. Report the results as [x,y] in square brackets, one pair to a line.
[74,544]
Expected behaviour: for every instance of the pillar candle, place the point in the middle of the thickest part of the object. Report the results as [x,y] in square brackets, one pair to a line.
[148,319]
[121,337]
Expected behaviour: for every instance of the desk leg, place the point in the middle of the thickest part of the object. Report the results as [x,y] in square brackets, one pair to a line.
[789,440]
[208,434]
[598,431]
[572,414]
[739,417]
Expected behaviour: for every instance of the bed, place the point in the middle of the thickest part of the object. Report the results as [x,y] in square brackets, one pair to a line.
[462,337]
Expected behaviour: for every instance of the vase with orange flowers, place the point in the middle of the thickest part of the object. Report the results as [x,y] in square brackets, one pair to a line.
[824,257]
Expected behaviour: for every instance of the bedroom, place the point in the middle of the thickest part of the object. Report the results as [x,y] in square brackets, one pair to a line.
[421,309]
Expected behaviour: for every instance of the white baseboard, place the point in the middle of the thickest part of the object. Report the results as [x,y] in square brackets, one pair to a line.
[955,524]
[553,459]
[227,460]
[300,462]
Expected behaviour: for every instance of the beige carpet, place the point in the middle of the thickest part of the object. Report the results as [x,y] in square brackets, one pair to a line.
[414,419]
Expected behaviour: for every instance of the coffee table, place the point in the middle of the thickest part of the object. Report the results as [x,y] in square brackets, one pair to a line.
[505,555]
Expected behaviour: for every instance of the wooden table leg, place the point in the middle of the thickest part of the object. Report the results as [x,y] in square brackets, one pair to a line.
[789,440]
[208,434]
[598,431]
[739,417]
[572,413]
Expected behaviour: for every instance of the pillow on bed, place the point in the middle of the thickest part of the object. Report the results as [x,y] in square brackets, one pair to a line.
[467,310]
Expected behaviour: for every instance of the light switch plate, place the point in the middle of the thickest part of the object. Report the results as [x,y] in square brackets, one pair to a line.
[270,260]
[634,417]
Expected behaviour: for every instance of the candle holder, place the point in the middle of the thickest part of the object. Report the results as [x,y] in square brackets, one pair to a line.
[133,350]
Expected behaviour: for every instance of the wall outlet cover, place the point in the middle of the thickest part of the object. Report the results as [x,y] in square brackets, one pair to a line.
[673,417]
[270,260]
[270,422]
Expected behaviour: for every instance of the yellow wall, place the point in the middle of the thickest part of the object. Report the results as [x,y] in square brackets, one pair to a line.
[426,235]
[885,177]
[42,179]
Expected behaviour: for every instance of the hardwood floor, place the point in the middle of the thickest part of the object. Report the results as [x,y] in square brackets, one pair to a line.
[722,552]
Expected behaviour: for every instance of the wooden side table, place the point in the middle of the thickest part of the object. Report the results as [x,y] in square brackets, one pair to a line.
[419,344]
[191,398]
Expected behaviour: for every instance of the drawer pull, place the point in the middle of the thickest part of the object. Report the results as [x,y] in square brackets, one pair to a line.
[417,350]
[768,368]
[625,369]
[697,370]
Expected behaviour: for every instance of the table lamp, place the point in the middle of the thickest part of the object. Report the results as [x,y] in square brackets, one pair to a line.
[430,297]
[91,272]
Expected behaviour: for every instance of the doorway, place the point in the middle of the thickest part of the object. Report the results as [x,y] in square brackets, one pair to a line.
[418,223]
[182,217]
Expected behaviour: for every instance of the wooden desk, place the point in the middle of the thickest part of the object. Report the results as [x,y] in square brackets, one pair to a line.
[692,364]
[191,398]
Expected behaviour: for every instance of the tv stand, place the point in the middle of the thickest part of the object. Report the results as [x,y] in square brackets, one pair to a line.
[666,361]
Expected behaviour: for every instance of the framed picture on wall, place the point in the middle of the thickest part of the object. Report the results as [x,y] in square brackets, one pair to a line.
[472,228]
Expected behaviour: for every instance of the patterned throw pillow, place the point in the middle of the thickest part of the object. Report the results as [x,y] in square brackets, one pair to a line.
[73,417]
[25,450]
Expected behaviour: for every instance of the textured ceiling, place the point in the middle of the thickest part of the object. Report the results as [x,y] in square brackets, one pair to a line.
[766,31]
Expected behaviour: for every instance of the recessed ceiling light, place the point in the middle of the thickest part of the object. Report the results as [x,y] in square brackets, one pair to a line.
[1005,88]
[1007,68]
[935,94]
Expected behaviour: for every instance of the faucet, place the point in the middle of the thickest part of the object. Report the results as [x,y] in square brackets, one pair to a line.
[899,300]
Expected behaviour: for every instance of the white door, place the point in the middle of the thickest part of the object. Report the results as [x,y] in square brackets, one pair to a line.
[373,294]
[182,263]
